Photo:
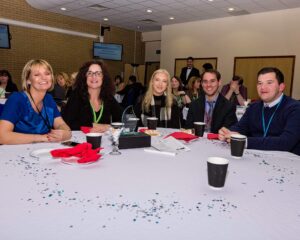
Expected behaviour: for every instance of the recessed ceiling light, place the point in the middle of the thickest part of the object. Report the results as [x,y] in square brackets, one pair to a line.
[105,19]
[210,0]
[230,9]
[63,9]
[171,18]
[149,11]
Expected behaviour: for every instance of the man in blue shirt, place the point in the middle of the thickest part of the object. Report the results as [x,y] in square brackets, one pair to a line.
[273,123]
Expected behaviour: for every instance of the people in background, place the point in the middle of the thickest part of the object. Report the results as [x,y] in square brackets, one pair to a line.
[131,92]
[158,102]
[6,82]
[188,71]
[62,82]
[71,84]
[207,66]
[235,91]
[119,83]
[179,94]
[91,102]
[32,115]
[211,107]
[273,122]
[194,88]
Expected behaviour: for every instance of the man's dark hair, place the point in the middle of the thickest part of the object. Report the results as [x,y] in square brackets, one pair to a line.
[238,78]
[279,75]
[190,58]
[207,66]
[213,71]
[132,78]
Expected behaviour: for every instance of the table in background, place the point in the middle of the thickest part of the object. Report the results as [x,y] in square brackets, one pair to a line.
[140,195]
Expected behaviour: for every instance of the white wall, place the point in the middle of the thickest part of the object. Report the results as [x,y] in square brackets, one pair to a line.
[152,44]
[264,34]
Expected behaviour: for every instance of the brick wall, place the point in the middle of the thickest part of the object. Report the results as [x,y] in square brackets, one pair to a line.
[64,52]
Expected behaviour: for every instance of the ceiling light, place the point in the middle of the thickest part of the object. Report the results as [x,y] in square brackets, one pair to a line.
[105,19]
[210,0]
[230,9]
[149,11]
[63,9]
[171,18]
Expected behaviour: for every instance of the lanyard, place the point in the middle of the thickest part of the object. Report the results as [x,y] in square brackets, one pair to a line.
[46,120]
[270,120]
[96,120]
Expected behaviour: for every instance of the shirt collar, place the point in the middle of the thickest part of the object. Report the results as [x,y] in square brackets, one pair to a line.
[274,103]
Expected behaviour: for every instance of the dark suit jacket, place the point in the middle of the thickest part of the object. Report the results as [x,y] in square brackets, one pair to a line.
[194,72]
[223,114]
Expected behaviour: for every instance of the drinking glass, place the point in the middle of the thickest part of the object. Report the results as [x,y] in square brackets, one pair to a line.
[116,130]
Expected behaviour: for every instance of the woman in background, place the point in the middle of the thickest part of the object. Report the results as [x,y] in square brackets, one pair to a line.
[194,88]
[177,90]
[32,115]
[91,102]
[158,102]
[6,82]
[235,91]
[62,83]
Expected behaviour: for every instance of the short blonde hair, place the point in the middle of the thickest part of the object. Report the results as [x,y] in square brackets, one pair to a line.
[149,94]
[27,71]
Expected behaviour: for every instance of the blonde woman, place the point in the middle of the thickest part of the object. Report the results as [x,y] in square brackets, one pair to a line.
[62,83]
[32,115]
[158,102]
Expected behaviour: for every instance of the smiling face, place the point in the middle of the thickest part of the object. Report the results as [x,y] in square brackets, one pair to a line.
[61,81]
[268,87]
[210,84]
[40,78]
[159,83]
[94,77]
[175,83]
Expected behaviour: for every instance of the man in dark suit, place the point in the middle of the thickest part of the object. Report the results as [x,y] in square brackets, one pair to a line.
[188,71]
[211,107]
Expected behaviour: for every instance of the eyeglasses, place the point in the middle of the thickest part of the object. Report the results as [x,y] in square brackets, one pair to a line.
[96,74]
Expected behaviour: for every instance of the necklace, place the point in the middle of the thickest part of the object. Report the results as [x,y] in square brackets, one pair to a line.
[45,120]
[95,118]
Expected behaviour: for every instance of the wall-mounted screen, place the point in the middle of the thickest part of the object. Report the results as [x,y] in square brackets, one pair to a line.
[4,36]
[108,51]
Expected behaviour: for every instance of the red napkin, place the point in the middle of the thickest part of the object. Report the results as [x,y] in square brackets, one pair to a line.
[182,136]
[83,151]
[142,130]
[212,136]
[85,129]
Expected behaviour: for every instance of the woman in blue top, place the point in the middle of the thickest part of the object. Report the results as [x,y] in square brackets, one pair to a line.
[32,115]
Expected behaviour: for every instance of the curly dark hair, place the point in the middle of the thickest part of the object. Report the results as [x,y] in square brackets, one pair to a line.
[107,88]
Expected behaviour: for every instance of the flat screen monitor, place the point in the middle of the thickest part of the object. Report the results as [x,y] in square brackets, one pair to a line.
[4,36]
[108,51]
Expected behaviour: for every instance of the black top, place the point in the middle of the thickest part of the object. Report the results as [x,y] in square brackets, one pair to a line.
[223,113]
[79,113]
[12,87]
[194,72]
[154,111]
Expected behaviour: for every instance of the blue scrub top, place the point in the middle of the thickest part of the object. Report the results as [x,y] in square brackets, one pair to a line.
[18,111]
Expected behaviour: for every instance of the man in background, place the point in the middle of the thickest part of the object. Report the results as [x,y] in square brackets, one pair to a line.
[188,71]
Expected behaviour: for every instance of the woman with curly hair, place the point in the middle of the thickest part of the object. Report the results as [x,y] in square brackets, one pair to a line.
[158,102]
[91,102]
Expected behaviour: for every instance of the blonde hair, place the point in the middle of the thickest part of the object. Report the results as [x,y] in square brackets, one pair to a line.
[149,94]
[27,71]
[65,77]
[192,82]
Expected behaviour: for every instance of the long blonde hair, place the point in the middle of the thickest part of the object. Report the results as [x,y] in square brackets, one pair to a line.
[66,77]
[149,94]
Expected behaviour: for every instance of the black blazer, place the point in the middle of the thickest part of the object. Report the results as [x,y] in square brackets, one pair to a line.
[223,114]
[78,113]
[194,72]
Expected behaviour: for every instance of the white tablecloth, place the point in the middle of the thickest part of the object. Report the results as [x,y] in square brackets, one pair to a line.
[140,195]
